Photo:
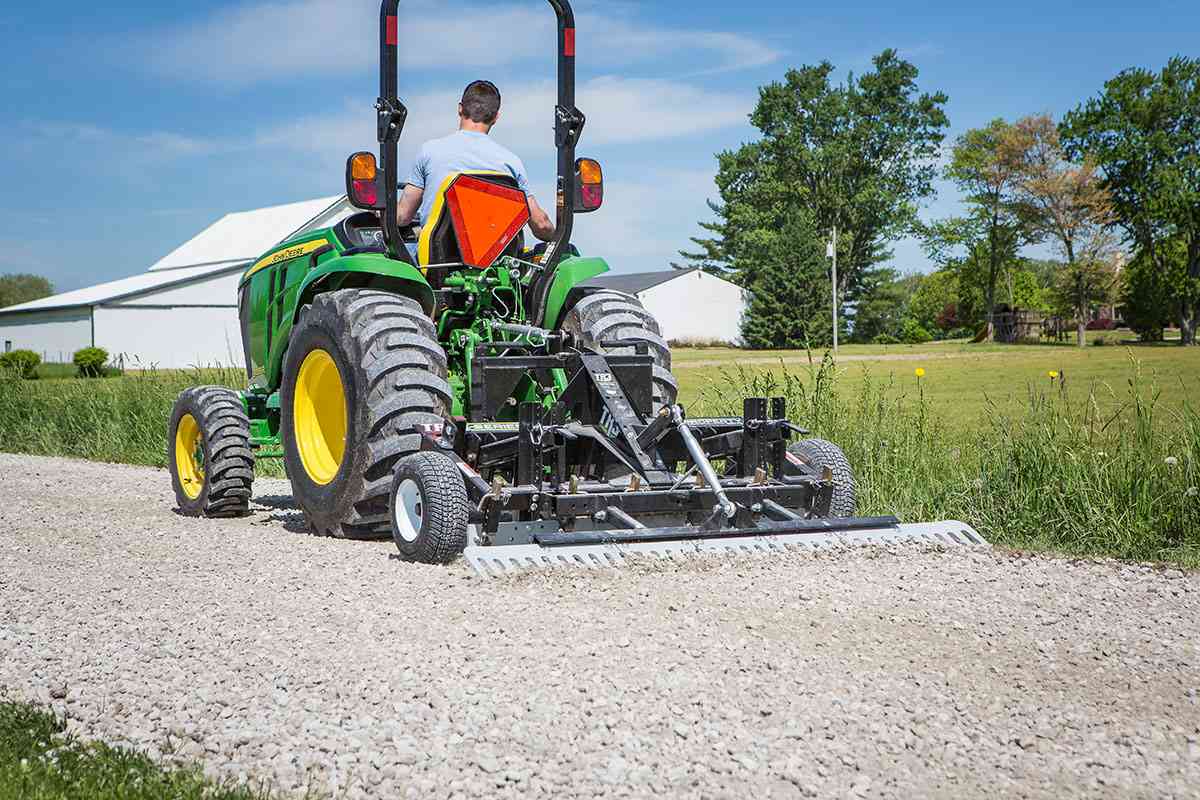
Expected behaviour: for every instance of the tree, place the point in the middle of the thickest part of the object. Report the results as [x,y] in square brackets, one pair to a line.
[790,289]
[1143,132]
[22,288]
[966,246]
[881,306]
[1068,204]
[1145,294]
[936,291]
[994,230]
[859,156]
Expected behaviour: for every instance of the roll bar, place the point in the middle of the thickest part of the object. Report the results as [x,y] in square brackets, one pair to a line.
[568,125]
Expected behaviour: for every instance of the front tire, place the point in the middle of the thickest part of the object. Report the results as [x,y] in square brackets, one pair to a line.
[363,372]
[811,457]
[429,508]
[208,453]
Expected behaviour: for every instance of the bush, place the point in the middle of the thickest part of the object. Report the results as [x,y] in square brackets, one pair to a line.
[1102,324]
[1101,341]
[22,363]
[90,362]
[911,332]
[885,338]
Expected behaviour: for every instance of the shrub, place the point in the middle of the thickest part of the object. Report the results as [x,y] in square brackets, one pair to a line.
[959,333]
[885,338]
[22,363]
[90,362]
[911,332]
[1101,341]
[1102,324]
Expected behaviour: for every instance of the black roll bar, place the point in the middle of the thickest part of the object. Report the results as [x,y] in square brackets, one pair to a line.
[568,125]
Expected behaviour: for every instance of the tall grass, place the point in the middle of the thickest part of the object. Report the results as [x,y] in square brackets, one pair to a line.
[120,419]
[1054,474]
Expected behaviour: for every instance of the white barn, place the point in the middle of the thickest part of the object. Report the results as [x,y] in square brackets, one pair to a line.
[182,312]
[690,305]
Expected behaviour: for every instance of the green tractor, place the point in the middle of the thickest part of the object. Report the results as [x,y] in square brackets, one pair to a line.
[485,398]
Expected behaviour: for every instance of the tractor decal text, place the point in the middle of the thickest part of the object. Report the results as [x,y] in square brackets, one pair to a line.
[287,254]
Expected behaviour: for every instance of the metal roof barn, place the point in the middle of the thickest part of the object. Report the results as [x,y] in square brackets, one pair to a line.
[181,312]
[691,306]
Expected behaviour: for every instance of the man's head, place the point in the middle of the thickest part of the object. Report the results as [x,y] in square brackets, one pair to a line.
[480,106]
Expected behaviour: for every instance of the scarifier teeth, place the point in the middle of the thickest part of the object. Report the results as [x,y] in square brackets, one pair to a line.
[508,559]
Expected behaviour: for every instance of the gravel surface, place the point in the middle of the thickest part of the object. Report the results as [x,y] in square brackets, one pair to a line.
[328,665]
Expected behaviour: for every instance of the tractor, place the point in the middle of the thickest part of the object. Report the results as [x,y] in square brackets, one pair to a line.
[487,400]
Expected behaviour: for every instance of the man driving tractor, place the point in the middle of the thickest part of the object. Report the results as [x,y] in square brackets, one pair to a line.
[469,149]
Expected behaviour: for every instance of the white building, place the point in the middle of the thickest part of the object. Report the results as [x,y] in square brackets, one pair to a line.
[689,304]
[182,312]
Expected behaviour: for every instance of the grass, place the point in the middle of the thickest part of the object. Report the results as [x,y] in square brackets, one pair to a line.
[39,760]
[1104,459]
[964,383]
[1059,471]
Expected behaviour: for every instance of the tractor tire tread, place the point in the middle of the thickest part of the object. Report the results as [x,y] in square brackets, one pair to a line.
[225,440]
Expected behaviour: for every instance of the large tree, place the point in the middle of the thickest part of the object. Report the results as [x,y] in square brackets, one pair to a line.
[859,156]
[22,288]
[992,231]
[1068,204]
[1143,132]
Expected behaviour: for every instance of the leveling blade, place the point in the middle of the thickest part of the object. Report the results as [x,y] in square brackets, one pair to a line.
[595,549]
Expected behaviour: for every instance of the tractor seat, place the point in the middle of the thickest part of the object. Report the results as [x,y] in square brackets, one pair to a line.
[476,218]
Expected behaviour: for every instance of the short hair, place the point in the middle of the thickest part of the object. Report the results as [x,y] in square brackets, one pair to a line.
[481,102]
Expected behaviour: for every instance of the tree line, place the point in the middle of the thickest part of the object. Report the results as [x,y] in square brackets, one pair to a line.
[1112,190]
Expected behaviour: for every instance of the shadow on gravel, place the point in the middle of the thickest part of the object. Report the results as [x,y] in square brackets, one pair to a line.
[279,502]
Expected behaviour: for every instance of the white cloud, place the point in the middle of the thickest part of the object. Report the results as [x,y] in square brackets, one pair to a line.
[286,39]
[619,111]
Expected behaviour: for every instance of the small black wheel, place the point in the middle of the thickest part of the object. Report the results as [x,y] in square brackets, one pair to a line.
[208,453]
[429,508]
[811,456]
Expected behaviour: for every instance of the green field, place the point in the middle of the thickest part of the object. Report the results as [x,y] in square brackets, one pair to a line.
[962,381]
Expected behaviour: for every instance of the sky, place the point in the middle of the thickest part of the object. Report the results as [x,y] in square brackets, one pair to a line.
[128,127]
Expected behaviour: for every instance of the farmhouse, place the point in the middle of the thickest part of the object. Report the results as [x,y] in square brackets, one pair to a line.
[689,304]
[181,312]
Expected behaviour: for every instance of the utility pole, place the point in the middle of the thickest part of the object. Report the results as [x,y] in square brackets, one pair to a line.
[831,252]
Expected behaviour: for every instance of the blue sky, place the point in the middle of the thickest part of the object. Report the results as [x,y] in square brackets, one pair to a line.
[128,127]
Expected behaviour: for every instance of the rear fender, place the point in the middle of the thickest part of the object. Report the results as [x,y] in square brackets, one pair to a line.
[566,291]
[359,271]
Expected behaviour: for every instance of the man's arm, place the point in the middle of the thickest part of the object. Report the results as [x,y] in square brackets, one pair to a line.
[410,201]
[540,222]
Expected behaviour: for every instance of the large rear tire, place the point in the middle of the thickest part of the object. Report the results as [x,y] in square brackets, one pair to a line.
[812,456]
[208,453]
[610,316]
[362,370]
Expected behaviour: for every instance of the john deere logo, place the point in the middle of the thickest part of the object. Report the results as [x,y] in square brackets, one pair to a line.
[287,254]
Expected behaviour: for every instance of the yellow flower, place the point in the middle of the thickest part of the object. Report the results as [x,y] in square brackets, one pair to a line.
[1053,374]
[920,372]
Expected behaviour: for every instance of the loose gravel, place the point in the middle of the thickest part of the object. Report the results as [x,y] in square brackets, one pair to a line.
[331,666]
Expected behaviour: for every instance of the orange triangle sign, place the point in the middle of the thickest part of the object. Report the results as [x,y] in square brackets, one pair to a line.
[487,216]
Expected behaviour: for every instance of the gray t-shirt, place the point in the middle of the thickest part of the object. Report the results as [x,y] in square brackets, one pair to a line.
[461,151]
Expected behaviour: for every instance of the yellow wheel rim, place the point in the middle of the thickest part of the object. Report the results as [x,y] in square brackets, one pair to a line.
[189,456]
[319,417]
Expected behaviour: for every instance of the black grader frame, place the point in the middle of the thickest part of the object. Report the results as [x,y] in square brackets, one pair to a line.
[669,498]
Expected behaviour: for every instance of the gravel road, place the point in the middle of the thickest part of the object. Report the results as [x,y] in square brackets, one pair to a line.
[328,665]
